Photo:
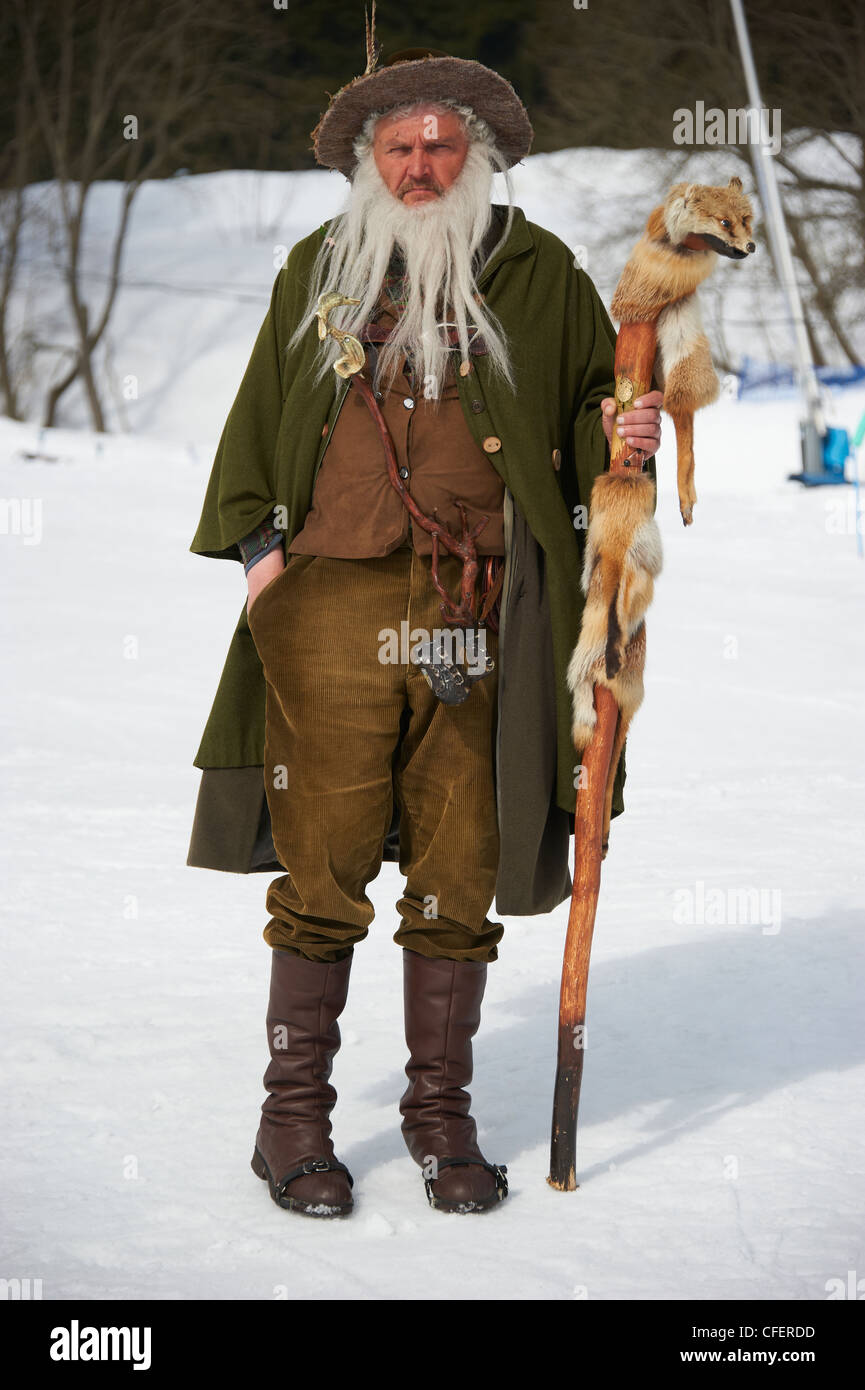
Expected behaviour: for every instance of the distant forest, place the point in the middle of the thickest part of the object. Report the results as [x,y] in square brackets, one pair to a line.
[217,84]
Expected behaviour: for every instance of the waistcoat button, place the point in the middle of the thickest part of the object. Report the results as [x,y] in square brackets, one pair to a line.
[557,458]
[477,407]
[492,444]
[465,368]
[403,472]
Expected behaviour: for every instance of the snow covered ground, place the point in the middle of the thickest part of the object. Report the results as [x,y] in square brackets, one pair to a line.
[722,1149]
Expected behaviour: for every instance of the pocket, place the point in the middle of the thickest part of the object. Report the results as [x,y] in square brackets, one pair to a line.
[263,593]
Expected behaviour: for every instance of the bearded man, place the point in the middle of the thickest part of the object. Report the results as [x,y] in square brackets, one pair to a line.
[472,399]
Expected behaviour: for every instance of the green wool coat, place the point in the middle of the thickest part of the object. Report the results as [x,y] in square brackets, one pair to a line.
[552,447]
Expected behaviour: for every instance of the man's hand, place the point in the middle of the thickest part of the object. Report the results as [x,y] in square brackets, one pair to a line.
[643,423]
[262,573]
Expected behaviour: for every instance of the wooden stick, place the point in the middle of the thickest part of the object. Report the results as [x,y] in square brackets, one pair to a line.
[588,826]
[635,358]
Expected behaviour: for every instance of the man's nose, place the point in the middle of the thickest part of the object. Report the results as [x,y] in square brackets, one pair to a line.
[418,165]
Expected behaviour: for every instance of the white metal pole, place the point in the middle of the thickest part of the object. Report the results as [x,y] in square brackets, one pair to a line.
[778,235]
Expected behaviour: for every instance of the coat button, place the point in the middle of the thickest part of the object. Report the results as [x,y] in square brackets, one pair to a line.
[557,458]
[325,430]
[477,407]
[465,368]
[403,472]
[492,444]
[408,403]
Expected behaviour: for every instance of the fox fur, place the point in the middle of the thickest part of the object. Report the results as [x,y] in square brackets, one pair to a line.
[676,253]
[622,558]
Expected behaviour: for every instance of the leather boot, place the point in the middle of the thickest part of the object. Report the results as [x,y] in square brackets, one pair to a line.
[442,1014]
[293,1149]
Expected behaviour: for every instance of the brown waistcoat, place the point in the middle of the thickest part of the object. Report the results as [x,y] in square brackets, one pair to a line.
[356,512]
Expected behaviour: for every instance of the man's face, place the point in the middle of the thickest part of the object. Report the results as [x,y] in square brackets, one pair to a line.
[420,156]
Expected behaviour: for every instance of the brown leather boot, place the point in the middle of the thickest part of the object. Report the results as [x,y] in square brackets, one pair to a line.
[442,1014]
[293,1149]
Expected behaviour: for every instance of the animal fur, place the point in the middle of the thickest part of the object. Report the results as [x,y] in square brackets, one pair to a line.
[622,558]
[675,254]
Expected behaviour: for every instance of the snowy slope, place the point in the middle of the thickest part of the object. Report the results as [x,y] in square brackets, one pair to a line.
[721,1144]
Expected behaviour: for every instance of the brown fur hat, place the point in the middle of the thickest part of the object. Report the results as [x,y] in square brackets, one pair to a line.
[420,74]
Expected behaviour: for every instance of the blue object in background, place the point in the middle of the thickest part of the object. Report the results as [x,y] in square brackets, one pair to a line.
[836,450]
[823,456]
[768,379]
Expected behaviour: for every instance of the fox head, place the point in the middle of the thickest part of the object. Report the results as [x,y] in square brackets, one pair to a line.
[708,218]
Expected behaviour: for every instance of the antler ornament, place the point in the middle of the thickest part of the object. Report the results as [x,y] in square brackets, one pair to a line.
[353,356]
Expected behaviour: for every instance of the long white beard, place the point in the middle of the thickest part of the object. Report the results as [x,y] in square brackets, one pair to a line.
[438,239]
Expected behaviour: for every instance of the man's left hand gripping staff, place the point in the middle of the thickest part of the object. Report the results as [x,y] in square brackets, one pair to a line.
[641,426]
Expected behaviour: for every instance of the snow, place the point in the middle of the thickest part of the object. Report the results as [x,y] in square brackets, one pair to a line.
[202,253]
[721,1150]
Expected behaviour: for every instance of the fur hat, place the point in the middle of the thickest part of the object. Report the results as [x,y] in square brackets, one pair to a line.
[416,75]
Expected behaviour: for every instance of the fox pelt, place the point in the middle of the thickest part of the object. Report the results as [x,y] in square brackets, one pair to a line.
[623,556]
[677,251]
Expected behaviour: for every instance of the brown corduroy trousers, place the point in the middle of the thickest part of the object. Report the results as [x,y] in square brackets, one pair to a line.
[334,637]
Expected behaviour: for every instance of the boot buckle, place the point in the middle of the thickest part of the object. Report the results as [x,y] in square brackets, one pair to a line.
[499,1170]
[316,1165]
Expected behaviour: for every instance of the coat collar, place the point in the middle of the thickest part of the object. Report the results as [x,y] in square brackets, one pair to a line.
[519,241]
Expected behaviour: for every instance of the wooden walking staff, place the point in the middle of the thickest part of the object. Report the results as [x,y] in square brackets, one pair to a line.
[660,335]
[635,356]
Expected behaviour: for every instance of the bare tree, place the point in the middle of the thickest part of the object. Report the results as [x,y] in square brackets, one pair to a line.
[112,97]
[14,177]
[616,76]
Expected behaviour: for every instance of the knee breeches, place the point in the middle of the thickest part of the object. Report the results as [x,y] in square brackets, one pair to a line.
[351,723]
